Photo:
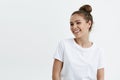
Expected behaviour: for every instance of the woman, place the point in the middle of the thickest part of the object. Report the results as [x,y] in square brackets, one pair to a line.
[79,58]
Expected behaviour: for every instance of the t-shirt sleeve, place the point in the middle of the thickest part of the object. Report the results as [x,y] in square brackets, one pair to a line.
[101,59]
[59,52]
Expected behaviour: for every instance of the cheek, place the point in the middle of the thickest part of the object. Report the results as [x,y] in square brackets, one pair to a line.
[84,28]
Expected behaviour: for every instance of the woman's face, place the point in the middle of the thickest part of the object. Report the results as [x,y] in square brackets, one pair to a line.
[79,26]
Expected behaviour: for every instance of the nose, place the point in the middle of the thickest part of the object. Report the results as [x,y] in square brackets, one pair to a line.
[74,26]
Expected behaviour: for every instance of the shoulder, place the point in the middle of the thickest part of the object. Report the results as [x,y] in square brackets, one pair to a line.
[99,49]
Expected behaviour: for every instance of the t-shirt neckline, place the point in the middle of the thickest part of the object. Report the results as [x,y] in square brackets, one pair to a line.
[80,47]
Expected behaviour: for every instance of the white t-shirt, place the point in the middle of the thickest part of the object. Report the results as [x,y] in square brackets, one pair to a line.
[78,63]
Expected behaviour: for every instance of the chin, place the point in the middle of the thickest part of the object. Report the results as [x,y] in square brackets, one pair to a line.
[77,36]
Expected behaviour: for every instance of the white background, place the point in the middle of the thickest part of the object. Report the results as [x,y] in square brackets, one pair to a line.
[31,29]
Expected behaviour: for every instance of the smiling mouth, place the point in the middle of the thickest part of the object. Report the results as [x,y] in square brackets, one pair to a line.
[76,31]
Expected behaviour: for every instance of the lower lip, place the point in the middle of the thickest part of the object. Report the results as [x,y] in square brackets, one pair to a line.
[76,32]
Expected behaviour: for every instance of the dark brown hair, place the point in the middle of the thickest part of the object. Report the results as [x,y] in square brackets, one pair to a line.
[85,10]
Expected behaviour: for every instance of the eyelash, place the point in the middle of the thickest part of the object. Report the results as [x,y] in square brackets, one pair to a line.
[71,24]
[78,22]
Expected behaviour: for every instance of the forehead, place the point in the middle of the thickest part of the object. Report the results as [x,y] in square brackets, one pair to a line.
[77,17]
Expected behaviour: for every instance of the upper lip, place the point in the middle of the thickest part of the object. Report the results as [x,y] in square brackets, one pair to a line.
[76,31]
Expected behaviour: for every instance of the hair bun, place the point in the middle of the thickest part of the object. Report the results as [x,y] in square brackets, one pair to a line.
[86,8]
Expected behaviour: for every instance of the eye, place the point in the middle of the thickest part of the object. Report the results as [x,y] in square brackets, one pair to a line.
[71,24]
[78,22]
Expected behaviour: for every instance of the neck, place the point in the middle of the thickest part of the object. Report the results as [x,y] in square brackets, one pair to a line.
[83,41]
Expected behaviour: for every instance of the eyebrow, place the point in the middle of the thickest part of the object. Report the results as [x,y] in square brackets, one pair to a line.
[75,21]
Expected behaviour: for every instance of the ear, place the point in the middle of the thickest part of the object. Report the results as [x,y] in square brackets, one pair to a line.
[89,24]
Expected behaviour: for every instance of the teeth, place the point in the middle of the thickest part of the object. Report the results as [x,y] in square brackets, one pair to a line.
[76,31]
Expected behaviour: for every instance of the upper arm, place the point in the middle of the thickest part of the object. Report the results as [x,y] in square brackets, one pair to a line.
[57,67]
[100,74]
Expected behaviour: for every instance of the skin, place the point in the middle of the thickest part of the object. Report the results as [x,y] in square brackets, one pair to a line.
[57,67]
[80,29]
